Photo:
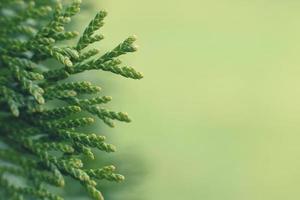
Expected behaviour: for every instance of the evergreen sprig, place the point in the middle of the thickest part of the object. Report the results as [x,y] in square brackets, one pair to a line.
[42,144]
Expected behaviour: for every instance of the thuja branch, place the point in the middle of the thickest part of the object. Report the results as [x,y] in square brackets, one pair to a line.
[39,144]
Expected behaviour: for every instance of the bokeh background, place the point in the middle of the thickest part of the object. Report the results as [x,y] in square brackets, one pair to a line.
[217,115]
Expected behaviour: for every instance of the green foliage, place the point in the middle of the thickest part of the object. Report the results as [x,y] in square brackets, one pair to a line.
[41,144]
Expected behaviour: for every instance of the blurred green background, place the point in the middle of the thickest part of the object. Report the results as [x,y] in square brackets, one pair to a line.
[217,115]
